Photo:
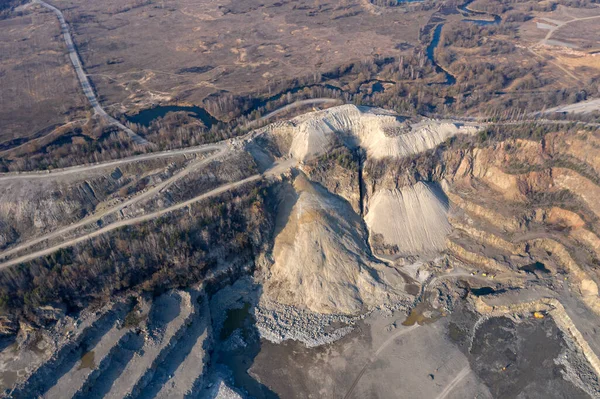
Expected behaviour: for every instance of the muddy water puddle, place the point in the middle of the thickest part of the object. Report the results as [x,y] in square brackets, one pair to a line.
[235,319]
[423,314]
[88,361]
[413,289]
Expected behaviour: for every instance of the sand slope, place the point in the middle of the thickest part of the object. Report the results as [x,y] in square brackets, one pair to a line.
[380,132]
[321,259]
[412,218]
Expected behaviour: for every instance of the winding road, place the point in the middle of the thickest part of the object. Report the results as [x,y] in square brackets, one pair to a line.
[83,79]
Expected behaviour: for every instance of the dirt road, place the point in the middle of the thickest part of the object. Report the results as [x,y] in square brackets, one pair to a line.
[98,215]
[83,79]
[560,24]
[583,107]
[310,101]
[278,168]
[459,377]
[109,164]
[403,330]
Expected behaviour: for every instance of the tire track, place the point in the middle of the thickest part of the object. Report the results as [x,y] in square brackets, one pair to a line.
[374,357]
[83,79]
[97,216]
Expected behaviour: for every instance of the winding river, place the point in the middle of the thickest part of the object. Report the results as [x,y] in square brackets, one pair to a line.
[481,18]
[435,40]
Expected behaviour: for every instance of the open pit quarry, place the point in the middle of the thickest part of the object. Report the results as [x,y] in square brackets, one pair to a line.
[398,257]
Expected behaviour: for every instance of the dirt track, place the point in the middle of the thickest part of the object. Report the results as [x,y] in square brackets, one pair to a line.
[311,101]
[109,164]
[374,357]
[459,377]
[97,216]
[559,25]
[277,169]
[583,107]
[83,79]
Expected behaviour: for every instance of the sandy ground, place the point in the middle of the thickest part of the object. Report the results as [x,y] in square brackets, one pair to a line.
[412,218]
[583,107]
[377,360]
[459,355]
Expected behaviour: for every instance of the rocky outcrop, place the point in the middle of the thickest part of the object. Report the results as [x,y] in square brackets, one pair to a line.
[346,181]
[473,258]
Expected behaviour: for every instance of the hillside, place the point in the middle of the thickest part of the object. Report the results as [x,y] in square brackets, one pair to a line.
[302,235]
[321,258]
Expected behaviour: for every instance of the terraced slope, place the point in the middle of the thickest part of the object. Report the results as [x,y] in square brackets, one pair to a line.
[159,352]
[480,225]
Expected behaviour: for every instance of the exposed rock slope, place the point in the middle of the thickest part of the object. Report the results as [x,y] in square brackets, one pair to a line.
[321,258]
[381,133]
[408,221]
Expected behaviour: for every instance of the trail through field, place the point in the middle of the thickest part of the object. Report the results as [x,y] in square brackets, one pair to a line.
[83,79]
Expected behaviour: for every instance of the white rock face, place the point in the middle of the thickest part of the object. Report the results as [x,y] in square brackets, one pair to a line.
[413,218]
[380,132]
[322,261]
[224,392]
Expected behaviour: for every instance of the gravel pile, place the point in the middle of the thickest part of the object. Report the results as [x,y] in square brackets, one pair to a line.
[277,323]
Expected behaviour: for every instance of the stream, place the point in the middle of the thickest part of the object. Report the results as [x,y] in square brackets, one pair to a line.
[435,41]
[147,116]
[481,22]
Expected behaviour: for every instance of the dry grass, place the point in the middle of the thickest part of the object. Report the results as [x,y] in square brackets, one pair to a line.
[38,87]
[189,50]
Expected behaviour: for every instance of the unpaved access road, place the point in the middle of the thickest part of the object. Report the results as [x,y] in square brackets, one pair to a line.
[83,79]
[98,215]
[46,174]
[459,377]
[278,168]
[560,24]
[583,107]
[296,104]
[402,331]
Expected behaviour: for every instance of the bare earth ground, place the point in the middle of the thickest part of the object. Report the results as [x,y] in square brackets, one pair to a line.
[565,37]
[39,86]
[188,50]
[385,359]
